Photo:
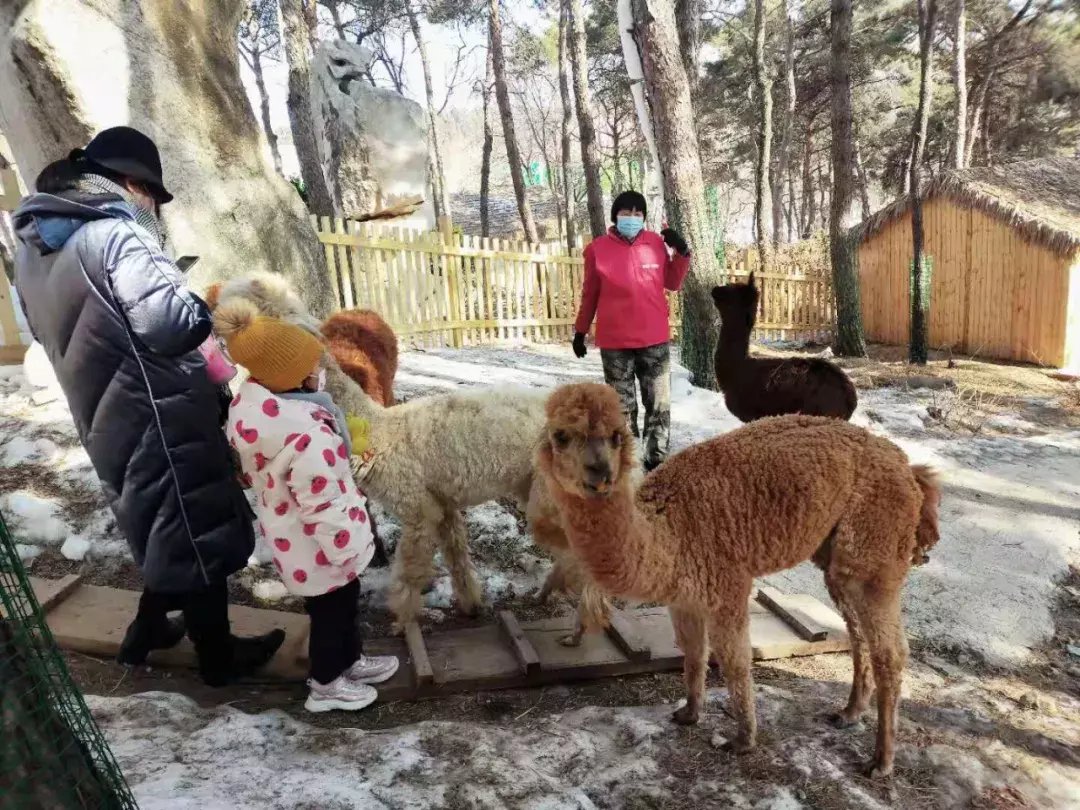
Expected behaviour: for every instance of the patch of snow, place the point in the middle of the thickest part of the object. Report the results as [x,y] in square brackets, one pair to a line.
[178,756]
[33,518]
[38,370]
[75,548]
[20,450]
[783,799]
[27,553]
[270,590]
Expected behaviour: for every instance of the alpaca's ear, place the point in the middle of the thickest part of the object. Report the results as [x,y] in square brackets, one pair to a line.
[717,295]
[750,281]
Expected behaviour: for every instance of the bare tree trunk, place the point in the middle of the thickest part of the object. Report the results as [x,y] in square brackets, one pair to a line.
[978,111]
[590,159]
[864,183]
[438,180]
[762,190]
[567,121]
[920,287]
[684,189]
[790,212]
[959,83]
[688,18]
[652,178]
[311,22]
[502,96]
[489,144]
[264,110]
[784,156]
[298,56]
[842,216]
[809,210]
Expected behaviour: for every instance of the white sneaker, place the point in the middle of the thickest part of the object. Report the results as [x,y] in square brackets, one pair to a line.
[372,669]
[341,694]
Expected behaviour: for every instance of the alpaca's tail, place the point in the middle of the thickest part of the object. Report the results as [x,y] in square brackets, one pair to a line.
[927,534]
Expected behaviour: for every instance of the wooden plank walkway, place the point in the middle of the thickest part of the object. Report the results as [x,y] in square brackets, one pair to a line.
[506,654]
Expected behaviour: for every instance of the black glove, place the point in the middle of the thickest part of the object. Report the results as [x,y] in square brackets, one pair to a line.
[579,344]
[675,242]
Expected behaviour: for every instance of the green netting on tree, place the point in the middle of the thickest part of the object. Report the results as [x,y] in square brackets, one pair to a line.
[52,754]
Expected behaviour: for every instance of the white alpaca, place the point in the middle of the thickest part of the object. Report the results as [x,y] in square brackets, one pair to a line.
[434,456]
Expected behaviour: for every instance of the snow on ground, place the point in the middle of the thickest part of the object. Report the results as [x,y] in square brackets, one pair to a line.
[1009,512]
[176,755]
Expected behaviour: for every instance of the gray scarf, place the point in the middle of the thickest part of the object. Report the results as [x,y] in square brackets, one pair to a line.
[96,184]
[322,398]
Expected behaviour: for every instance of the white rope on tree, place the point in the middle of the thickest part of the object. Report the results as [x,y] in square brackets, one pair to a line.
[654,181]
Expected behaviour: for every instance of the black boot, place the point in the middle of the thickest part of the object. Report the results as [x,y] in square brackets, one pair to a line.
[229,658]
[222,656]
[146,634]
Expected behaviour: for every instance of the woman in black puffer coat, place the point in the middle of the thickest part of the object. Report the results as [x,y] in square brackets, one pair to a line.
[122,333]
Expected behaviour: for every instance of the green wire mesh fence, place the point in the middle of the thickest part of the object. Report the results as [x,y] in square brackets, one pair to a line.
[52,754]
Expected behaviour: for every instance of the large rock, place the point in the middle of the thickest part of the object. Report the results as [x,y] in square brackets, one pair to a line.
[169,68]
[373,143]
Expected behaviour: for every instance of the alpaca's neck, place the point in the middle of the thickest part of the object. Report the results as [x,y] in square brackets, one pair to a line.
[348,394]
[617,544]
[732,350]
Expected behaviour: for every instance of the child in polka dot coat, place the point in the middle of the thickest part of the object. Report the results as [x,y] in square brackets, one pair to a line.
[294,455]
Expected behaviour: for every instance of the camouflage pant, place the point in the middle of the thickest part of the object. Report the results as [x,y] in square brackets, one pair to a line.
[651,367]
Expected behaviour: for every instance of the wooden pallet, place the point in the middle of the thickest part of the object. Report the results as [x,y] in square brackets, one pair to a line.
[91,619]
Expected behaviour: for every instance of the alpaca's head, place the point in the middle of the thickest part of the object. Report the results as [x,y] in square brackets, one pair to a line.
[737,303]
[587,448]
[271,295]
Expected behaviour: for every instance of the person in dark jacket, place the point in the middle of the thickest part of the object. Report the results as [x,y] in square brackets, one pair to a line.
[122,333]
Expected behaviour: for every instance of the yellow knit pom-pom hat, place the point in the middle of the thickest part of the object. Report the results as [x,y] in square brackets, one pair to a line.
[276,353]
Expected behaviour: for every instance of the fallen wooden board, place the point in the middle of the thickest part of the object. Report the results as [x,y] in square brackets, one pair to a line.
[92,620]
[809,618]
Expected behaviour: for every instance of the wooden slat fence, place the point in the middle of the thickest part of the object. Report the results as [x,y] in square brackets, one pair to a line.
[446,289]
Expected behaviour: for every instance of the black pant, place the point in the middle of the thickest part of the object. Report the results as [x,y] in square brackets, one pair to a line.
[206,611]
[333,645]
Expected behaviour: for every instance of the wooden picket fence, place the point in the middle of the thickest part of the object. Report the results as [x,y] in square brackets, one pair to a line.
[448,289]
[12,348]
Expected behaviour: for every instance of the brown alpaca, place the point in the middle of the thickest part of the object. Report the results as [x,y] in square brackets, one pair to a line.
[366,348]
[771,386]
[782,491]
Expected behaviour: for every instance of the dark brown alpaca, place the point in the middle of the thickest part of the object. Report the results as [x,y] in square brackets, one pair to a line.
[755,387]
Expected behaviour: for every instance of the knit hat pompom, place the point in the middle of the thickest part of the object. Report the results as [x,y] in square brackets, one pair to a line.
[628,201]
[277,354]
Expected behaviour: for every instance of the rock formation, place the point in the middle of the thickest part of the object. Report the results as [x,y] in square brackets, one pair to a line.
[168,67]
[372,141]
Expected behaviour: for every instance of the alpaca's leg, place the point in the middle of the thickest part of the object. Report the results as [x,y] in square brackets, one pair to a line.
[455,547]
[862,680]
[729,633]
[879,617]
[413,565]
[693,637]
[593,613]
[553,583]
[653,369]
[619,374]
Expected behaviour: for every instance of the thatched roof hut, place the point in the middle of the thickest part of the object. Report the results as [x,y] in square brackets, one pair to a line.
[1003,245]
[1038,198]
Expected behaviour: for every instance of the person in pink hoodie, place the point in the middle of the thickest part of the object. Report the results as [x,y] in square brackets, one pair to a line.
[627,271]
[294,448]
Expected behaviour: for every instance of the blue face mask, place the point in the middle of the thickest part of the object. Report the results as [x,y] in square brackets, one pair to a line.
[629,227]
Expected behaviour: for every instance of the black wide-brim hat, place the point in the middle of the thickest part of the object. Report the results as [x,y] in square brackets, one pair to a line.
[128,152]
